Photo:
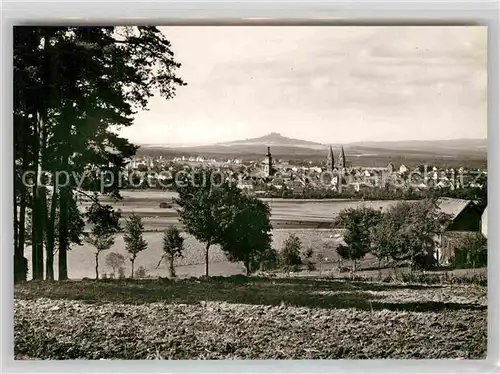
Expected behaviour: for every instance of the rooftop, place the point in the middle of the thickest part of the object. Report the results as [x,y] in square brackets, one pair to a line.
[452,206]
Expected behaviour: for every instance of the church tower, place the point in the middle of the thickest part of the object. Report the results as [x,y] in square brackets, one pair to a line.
[342,158]
[341,170]
[330,162]
[268,166]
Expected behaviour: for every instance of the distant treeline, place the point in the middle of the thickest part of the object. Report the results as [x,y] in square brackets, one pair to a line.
[478,194]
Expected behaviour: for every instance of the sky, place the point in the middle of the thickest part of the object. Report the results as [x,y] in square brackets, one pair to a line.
[329,84]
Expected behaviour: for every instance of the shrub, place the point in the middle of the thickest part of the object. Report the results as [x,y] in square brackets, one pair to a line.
[473,252]
[141,272]
[308,253]
[269,259]
[121,272]
[115,260]
[344,269]
[289,257]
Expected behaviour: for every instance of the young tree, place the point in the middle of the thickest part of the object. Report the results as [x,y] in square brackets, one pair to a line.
[115,261]
[308,254]
[207,206]
[105,224]
[247,237]
[289,257]
[358,224]
[173,246]
[134,242]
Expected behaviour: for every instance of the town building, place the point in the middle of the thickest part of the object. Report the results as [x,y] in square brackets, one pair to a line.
[465,219]
[330,160]
[268,163]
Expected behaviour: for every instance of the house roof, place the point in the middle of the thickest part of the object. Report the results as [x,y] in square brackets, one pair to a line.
[452,206]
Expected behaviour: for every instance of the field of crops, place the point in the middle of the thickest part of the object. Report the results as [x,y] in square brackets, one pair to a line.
[147,204]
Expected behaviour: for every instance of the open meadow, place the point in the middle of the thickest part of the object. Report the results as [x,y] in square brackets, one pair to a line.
[304,218]
[248,318]
[81,259]
[309,220]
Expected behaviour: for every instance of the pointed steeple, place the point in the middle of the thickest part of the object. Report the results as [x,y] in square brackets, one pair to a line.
[342,158]
[330,164]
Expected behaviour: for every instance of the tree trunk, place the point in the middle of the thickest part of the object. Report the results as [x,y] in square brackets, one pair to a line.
[36,227]
[63,232]
[97,265]
[206,258]
[132,274]
[45,219]
[20,268]
[172,268]
[379,270]
[247,266]
[50,235]
[42,197]
[17,256]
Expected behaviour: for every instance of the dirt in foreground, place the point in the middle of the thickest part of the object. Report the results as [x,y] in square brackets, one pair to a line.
[248,318]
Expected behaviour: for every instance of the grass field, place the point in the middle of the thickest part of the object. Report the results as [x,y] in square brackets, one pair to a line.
[300,217]
[81,261]
[248,318]
[304,218]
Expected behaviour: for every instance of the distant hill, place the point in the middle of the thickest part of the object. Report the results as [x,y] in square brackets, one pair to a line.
[273,139]
[468,145]
[453,152]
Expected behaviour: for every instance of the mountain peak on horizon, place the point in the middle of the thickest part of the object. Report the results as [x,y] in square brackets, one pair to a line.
[273,139]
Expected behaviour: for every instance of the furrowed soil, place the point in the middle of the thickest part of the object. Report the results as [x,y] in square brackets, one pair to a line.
[248,318]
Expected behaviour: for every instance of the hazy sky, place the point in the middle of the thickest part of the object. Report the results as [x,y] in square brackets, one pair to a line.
[324,84]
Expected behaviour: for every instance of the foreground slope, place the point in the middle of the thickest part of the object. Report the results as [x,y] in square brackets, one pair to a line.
[248,318]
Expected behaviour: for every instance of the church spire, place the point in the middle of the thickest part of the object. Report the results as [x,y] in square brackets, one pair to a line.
[330,165]
[342,158]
